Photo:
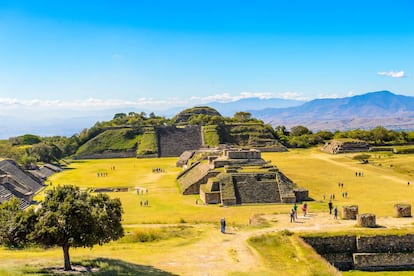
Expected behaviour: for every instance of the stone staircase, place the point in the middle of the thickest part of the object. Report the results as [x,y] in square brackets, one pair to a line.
[173,141]
[191,179]
[26,180]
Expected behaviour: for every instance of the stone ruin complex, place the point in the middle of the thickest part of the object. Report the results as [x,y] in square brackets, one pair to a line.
[22,184]
[338,146]
[237,177]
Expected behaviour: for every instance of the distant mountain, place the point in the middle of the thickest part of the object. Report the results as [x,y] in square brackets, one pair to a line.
[229,108]
[362,111]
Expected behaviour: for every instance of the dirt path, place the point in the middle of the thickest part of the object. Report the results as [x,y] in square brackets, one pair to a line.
[220,254]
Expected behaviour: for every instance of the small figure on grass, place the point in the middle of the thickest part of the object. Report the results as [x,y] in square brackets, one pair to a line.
[305,209]
[330,206]
[292,215]
[335,213]
[295,209]
[223,225]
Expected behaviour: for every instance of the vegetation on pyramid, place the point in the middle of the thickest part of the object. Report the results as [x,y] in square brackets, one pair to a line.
[197,115]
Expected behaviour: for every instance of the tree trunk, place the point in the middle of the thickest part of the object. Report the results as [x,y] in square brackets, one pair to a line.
[66,257]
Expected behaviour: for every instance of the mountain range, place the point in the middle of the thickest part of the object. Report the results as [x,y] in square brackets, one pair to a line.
[363,111]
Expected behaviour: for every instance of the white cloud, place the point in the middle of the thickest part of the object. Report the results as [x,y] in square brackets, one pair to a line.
[393,74]
[226,97]
[293,96]
[7,104]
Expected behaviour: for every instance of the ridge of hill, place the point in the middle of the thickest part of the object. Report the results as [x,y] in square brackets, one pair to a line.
[363,111]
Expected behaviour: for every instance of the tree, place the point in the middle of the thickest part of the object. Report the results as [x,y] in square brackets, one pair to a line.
[15,224]
[242,116]
[69,217]
[299,130]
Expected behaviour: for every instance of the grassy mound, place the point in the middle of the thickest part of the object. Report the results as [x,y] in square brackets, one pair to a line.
[111,140]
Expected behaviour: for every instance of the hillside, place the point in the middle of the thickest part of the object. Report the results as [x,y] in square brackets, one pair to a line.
[363,111]
[122,139]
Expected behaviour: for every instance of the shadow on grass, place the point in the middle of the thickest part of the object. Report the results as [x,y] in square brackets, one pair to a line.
[101,266]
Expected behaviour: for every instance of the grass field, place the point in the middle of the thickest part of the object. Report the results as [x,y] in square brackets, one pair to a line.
[173,233]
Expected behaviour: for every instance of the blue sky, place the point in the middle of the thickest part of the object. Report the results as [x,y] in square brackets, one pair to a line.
[163,53]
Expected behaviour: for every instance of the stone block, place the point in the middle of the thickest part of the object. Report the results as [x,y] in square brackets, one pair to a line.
[349,211]
[366,220]
[402,210]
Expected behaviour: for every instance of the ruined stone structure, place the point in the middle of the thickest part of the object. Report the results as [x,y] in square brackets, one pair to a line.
[338,146]
[372,253]
[238,177]
[16,182]
[366,220]
[173,140]
[349,212]
[402,210]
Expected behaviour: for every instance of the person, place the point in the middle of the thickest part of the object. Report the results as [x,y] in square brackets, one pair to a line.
[304,209]
[330,206]
[292,215]
[295,209]
[223,225]
[335,213]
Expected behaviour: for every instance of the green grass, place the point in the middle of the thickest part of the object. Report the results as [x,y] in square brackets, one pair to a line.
[376,192]
[211,136]
[144,245]
[148,143]
[112,139]
[288,255]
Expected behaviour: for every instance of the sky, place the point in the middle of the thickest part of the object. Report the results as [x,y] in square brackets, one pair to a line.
[157,54]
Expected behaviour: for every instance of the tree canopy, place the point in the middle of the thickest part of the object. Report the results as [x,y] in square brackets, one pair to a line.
[69,217]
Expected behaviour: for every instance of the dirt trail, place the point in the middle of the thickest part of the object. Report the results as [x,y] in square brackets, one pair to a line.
[220,254]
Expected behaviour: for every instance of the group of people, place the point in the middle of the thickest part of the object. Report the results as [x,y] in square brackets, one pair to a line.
[101,174]
[359,173]
[333,209]
[158,170]
[143,202]
[294,211]
[142,191]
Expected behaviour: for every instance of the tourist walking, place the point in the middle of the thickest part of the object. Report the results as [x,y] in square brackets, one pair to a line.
[330,205]
[223,225]
[295,209]
[335,213]
[292,215]
[305,209]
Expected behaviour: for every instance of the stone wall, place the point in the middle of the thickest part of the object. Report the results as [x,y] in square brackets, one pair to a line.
[382,252]
[255,188]
[383,261]
[172,140]
[338,146]
[243,154]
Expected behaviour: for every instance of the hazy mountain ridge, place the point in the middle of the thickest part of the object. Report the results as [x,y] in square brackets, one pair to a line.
[363,111]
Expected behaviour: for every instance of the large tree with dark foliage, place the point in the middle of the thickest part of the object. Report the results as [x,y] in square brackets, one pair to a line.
[69,217]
